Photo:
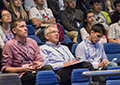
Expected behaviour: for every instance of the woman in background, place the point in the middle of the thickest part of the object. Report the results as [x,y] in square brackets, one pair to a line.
[88,21]
[17,11]
[5,33]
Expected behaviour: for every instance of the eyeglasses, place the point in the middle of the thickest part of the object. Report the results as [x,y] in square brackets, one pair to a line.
[72,1]
[6,15]
[53,32]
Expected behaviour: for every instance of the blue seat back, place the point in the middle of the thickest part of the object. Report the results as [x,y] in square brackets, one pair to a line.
[113,82]
[76,76]
[67,39]
[112,50]
[31,34]
[34,37]
[58,18]
[79,39]
[30,30]
[113,77]
[81,83]
[46,78]
[73,49]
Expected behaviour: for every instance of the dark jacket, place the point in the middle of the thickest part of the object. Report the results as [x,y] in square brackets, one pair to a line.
[115,17]
[54,6]
[69,20]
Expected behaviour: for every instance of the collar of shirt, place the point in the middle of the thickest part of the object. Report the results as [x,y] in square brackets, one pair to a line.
[89,43]
[70,11]
[22,42]
[52,44]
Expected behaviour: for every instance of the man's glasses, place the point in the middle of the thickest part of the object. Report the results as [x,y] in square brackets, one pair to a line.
[6,15]
[53,32]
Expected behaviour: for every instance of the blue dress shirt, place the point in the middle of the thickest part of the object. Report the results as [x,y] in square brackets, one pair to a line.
[93,53]
[55,56]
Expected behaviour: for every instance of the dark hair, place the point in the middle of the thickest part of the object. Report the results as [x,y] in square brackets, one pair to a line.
[84,23]
[116,2]
[13,24]
[98,28]
[94,1]
[1,13]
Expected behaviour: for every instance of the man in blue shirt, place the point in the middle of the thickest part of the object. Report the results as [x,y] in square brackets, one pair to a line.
[92,51]
[59,56]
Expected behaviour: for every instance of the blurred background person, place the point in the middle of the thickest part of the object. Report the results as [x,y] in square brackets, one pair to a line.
[71,19]
[5,33]
[88,21]
[17,11]
[116,15]
[28,4]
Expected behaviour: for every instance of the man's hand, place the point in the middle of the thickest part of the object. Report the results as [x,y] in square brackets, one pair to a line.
[103,63]
[70,62]
[52,20]
[27,68]
[37,65]
[103,37]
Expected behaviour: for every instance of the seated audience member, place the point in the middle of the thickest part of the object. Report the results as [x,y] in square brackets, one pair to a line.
[5,33]
[59,56]
[39,14]
[17,11]
[107,6]
[71,19]
[21,55]
[28,4]
[61,4]
[83,5]
[92,51]
[7,2]
[100,16]
[55,6]
[116,16]
[114,33]
[88,20]
[110,6]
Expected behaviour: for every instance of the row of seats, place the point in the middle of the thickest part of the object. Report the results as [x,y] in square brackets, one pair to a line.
[49,78]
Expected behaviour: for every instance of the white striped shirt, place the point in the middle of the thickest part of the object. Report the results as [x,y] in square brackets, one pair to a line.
[114,31]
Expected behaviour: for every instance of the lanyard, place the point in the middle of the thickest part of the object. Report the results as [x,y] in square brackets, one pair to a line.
[22,51]
[43,14]
[89,51]
[5,33]
[60,52]
[72,17]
